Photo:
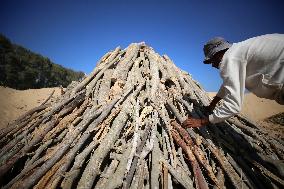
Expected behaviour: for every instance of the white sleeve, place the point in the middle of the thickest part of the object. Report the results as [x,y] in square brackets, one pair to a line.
[233,72]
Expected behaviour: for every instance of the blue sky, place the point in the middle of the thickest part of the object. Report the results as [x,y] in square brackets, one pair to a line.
[77,33]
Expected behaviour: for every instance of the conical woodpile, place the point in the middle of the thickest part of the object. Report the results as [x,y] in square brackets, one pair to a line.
[120,128]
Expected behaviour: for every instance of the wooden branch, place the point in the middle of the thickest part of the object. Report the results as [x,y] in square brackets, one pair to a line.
[93,82]
[85,82]
[17,123]
[116,179]
[130,173]
[175,111]
[105,87]
[73,133]
[178,174]
[268,173]
[221,178]
[149,146]
[105,176]
[92,168]
[49,97]
[122,68]
[184,165]
[241,172]
[156,169]
[234,177]
[39,134]
[154,73]
[200,180]
[197,151]
[165,177]
[136,137]
[138,181]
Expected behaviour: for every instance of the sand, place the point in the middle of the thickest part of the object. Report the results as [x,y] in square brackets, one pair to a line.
[257,109]
[14,103]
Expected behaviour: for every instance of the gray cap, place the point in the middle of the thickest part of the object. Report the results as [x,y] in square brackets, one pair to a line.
[213,46]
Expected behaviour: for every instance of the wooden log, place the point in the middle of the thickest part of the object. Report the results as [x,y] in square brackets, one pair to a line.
[93,82]
[116,179]
[156,168]
[134,162]
[71,135]
[106,175]
[20,122]
[93,167]
[199,178]
[105,87]
[123,67]
[178,174]
[85,82]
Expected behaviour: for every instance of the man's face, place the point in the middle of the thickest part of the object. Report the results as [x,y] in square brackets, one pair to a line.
[215,64]
[216,59]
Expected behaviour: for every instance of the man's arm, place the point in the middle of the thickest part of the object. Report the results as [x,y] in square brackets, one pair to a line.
[195,122]
[213,104]
[219,96]
[233,73]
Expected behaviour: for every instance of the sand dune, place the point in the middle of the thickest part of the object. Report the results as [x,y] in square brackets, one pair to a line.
[257,108]
[14,103]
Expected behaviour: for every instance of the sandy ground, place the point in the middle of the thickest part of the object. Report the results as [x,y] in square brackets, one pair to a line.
[14,103]
[257,108]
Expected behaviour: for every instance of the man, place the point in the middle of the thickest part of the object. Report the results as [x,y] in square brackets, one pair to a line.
[256,64]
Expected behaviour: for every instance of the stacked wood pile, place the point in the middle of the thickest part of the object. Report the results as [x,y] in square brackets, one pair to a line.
[120,127]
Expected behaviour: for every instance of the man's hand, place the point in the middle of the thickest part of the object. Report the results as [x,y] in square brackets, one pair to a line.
[195,122]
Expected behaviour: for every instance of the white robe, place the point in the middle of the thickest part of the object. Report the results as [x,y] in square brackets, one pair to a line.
[256,64]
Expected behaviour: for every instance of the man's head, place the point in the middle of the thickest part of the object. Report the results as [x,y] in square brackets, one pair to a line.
[214,50]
